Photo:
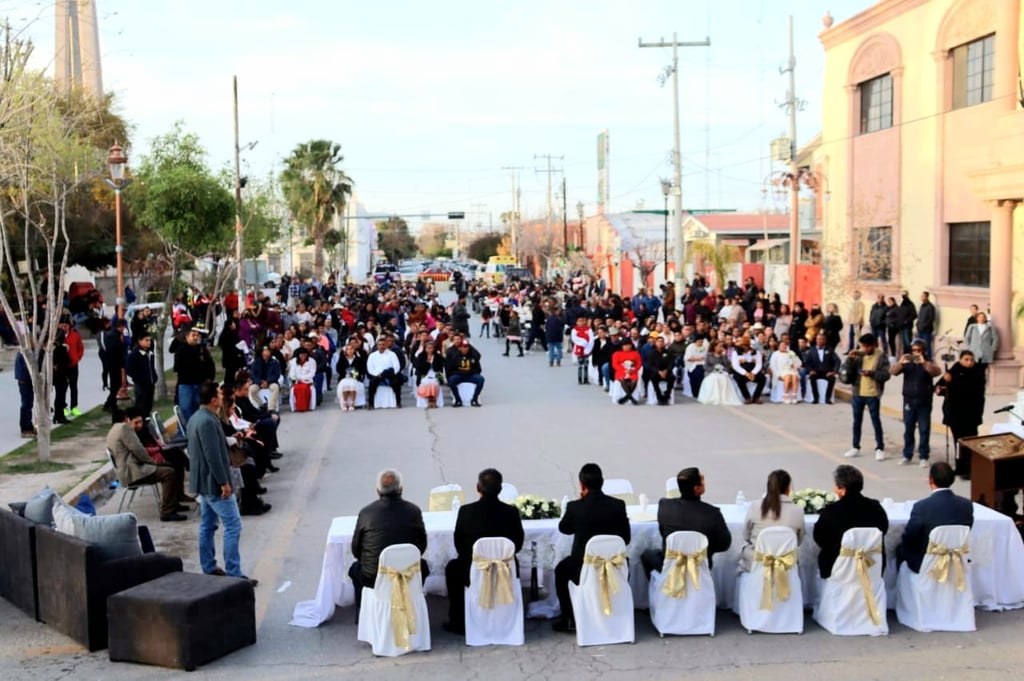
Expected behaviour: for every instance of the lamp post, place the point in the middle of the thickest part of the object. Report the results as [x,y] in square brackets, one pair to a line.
[666,189]
[582,237]
[792,181]
[117,161]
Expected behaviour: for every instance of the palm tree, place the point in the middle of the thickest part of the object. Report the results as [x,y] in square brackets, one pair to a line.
[719,256]
[316,189]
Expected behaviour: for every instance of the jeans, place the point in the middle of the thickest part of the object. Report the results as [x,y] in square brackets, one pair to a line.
[605,371]
[927,338]
[455,379]
[879,333]
[873,404]
[212,508]
[188,400]
[583,369]
[917,414]
[554,353]
[854,331]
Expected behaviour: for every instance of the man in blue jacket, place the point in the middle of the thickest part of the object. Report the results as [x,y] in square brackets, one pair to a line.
[265,371]
[941,507]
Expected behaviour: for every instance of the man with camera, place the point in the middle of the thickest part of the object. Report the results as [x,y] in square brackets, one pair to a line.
[918,370]
[866,371]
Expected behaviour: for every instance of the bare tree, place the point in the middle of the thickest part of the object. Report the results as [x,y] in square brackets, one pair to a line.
[646,255]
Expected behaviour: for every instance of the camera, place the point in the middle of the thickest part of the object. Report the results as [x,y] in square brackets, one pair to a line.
[948,357]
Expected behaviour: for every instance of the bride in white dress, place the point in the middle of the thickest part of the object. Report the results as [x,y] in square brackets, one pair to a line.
[718,386]
[785,365]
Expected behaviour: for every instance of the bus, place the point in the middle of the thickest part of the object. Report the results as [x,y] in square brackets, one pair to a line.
[496,266]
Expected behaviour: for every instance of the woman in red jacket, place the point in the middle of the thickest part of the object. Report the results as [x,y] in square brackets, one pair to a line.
[626,365]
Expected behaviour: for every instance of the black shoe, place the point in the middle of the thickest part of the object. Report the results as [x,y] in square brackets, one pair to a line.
[273,469]
[564,625]
[276,455]
[454,628]
[261,490]
[257,509]
[172,518]
[181,508]
[519,355]
[217,572]
[475,403]
[457,403]
[504,354]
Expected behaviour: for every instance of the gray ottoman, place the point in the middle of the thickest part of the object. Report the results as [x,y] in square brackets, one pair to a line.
[181,620]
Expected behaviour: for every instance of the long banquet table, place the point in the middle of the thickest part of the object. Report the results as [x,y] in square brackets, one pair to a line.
[997,559]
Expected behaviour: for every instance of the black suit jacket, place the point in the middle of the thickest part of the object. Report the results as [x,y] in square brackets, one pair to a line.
[853,510]
[489,517]
[389,520]
[694,515]
[813,363]
[941,507]
[597,513]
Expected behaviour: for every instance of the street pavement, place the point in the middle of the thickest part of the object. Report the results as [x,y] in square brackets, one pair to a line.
[538,427]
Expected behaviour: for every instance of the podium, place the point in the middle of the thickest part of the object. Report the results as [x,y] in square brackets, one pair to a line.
[997,466]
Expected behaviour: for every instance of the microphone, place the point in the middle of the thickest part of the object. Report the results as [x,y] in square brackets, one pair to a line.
[1000,410]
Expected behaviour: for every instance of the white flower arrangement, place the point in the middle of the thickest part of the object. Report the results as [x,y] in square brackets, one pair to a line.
[813,500]
[532,507]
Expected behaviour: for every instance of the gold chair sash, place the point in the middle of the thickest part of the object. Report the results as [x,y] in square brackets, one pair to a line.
[776,579]
[947,556]
[442,501]
[864,562]
[607,580]
[403,616]
[496,586]
[684,564]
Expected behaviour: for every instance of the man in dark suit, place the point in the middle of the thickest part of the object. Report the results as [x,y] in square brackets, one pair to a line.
[941,507]
[389,520]
[489,517]
[592,514]
[688,513]
[821,362]
[852,510]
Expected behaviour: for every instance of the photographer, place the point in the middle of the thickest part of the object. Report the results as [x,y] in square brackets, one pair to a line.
[963,386]
[866,371]
[918,371]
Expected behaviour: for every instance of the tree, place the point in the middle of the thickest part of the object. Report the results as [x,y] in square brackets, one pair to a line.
[646,256]
[316,189]
[719,256]
[44,159]
[432,238]
[483,247]
[394,239]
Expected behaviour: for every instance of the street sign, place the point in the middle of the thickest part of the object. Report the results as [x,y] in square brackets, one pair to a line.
[456,215]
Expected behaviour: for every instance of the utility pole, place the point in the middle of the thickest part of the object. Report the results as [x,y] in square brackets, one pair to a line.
[565,225]
[680,245]
[549,157]
[793,104]
[513,221]
[240,279]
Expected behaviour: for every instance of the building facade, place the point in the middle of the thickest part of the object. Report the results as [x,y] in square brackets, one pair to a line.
[923,145]
[77,62]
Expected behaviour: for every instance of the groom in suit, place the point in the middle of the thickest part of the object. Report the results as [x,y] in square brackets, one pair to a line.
[941,507]
[821,362]
[489,517]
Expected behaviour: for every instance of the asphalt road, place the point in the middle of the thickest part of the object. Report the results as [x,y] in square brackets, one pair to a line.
[537,426]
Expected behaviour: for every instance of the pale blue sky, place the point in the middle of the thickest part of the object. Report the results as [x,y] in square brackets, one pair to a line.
[430,99]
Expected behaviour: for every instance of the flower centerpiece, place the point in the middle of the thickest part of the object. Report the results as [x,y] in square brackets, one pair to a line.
[532,507]
[813,500]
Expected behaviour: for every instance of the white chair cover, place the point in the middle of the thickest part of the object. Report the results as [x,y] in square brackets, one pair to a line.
[687,387]
[466,391]
[786,615]
[312,398]
[421,402]
[603,601]
[502,623]
[852,600]
[778,391]
[620,488]
[923,602]
[678,605]
[652,397]
[671,488]
[593,375]
[376,614]
[822,387]
[508,493]
[617,393]
[442,496]
[384,398]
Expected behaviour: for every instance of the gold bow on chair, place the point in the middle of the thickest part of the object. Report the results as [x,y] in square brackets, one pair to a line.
[496,586]
[609,583]
[946,555]
[865,561]
[403,616]
[675,580]
[776,579]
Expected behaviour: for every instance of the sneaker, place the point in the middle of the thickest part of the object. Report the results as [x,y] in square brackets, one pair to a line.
[852,453]
[923,463]
[904,462]
[879,455]
[68,414]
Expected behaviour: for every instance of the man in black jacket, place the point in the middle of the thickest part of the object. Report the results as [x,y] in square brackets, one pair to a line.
[821,362]
[657,368]
[918,372]
[116,353]
[688,513]
[463,366]
[592,514]
[194,366]
[489,517]
[601,356]
[852,510]
[388,521]
[142,371]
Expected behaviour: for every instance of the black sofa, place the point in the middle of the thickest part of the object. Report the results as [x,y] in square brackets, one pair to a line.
[18,562]
[74,583]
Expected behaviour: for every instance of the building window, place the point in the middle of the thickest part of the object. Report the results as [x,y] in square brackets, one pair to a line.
[875,254]
[973,71]
[969,254]
[876,104]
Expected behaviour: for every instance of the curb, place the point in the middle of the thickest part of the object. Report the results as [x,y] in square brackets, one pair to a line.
[96,485]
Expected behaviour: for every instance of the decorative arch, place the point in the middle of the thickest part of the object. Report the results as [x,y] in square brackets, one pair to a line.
[878,54]
[965,21]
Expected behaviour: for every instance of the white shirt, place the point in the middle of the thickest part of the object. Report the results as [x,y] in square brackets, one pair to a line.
[301,373]
[695,355]
[747,356]
[378,362]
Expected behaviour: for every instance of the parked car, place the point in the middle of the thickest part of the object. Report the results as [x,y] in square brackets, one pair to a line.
[385,271]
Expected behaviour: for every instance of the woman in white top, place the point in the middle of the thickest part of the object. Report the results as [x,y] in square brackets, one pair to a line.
[785,365]
[775,510]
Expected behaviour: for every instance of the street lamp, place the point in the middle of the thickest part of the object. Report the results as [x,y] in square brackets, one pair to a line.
[117,161]
[666,189]
[792,181]
[583,239]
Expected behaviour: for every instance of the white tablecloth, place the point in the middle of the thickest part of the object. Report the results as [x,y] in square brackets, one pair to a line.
[997,559]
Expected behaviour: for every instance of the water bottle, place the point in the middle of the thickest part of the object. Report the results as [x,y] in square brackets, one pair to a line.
[455,504]
[741,500]
[565,503]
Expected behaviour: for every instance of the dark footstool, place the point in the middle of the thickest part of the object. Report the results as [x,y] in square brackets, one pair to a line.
[181,620]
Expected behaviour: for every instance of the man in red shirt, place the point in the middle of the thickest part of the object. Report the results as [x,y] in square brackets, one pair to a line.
[76,350]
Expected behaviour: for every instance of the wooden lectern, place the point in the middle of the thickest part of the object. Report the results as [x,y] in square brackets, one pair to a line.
[997,465]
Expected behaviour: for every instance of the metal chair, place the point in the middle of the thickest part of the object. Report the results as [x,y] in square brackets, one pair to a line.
[133,489]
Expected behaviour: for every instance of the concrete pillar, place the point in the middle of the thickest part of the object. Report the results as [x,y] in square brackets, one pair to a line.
[1005,371]
[1007,57]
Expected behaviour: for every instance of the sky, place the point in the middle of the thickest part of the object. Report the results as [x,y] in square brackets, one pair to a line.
[431,100]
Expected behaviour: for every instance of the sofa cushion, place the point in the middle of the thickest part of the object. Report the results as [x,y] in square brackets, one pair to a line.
[113,536]
[18,508]
[38,509]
